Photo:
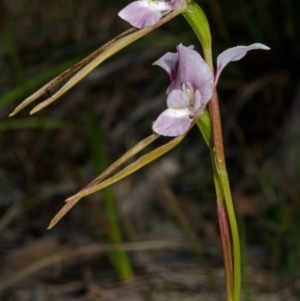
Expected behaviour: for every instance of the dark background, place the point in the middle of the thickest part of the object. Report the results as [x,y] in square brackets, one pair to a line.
[166,212]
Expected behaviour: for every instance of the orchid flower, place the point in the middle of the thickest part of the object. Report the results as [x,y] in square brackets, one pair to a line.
[144,13]
[192,86]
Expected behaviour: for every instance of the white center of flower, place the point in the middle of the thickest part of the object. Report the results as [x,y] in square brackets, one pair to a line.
[177,113]
[188,94]
[158,5]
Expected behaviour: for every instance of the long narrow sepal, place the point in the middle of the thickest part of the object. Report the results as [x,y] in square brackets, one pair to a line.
[90,63]
[91,188]
[129,154]
[54,82]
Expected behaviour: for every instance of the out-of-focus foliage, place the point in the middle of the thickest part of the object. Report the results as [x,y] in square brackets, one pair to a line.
[47,157]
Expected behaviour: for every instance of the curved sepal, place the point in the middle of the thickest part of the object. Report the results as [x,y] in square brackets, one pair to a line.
[99,184]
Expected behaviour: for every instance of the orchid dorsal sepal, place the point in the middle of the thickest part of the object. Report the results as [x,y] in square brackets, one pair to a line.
[90,63]
[97,184]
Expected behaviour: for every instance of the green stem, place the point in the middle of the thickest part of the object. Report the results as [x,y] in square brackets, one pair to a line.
[204,125]
[219,158]
[224,233]
[235,238]
[198,21]
[227,252]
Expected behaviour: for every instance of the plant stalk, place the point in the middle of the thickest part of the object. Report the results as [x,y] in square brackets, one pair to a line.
[223,176]
[198,21]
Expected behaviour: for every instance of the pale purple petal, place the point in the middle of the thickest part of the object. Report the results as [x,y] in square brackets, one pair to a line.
[175,84]
[235,54]
[169,63]
[198,104]
[172,122]
[176,4]
[176,99]
[143,13]
[192,69]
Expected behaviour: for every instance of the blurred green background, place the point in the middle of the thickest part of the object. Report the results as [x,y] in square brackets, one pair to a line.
[164,216]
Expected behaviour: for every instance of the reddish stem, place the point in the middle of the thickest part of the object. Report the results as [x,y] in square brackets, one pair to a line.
[227,252]
[214,111]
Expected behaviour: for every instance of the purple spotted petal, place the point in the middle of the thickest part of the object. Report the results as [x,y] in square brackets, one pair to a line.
[169,63]
[235,54]
[144,13]
[172,122]
[193,70]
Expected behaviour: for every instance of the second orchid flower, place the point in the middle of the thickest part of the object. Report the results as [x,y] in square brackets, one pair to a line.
[144,13]
[192,86]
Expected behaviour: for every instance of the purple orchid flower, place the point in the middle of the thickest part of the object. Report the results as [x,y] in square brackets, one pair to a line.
[144,13]
[192,86]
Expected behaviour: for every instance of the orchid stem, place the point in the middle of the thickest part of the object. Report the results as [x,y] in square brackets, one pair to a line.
[227,251]
[223,176]
[224,233]
[224,230]
[222,215]
[235,239]
[198,21]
